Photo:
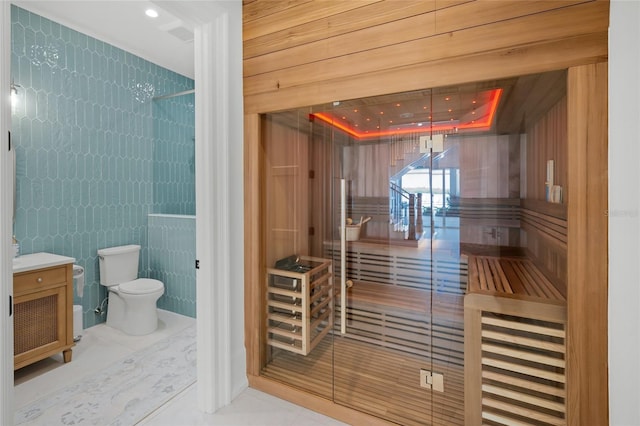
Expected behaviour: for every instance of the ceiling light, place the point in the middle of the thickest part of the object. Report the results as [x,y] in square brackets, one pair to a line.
[151,13]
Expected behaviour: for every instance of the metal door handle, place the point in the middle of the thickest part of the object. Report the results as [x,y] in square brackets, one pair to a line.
[343,257]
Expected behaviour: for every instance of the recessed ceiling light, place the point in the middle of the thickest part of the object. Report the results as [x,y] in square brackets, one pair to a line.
[151,13]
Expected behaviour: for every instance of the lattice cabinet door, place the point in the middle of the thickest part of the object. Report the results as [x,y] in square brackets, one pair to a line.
[43,315]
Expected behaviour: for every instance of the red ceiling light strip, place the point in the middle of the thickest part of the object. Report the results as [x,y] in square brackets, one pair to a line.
[332,122]
[494,100]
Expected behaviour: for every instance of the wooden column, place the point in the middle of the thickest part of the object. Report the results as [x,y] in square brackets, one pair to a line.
[252,236]
[587,381]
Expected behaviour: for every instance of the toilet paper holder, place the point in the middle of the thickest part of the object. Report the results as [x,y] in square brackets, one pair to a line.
[77,323]
[78,277]
[78,326]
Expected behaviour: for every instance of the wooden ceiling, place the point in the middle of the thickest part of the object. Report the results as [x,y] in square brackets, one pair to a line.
[500,106]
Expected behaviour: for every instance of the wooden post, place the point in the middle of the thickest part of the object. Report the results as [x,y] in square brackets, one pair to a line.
[419,228]
[411,232]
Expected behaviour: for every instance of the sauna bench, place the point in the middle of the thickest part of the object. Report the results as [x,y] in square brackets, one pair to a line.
[441,271]
[504,276]
[42,307]
[514,344]
[419,322]
[403,299]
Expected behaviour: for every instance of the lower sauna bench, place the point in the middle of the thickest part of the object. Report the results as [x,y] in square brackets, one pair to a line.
[515,344]
[403,330]
[406,319]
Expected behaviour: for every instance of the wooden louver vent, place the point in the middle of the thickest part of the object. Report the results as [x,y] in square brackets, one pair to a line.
[523,371]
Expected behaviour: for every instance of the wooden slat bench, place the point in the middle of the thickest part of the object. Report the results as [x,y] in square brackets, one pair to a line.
[425,328]
[402,267]
[509,275]
[406,319]
[515,352]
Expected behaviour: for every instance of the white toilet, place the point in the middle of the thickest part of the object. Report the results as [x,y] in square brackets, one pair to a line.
[132,300]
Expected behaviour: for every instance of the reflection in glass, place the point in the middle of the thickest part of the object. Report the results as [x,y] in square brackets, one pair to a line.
[455,256]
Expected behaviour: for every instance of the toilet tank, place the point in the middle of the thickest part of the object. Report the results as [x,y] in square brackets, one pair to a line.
[118,264]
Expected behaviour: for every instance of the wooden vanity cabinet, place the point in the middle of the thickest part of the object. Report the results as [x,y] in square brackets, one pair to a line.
[43,314]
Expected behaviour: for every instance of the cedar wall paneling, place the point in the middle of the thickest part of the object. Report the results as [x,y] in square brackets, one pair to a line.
[253,158]
[324,56]
[286,196]
[365,170]
[547,140]
[587,368]
[305,52]
[486,163]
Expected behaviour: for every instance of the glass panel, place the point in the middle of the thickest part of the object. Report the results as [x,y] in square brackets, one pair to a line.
[298,287]
[442,210]
[402,261]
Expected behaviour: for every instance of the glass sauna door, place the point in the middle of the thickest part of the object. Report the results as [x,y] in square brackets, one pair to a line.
[398,339]
[415,249]
[298,290]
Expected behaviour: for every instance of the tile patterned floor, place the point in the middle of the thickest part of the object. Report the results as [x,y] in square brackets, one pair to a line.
[103,346]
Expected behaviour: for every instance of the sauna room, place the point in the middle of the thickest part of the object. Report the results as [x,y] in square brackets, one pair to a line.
[415,252]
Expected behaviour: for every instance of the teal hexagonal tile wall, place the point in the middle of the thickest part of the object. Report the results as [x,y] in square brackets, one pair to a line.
[171,260]
[95,154]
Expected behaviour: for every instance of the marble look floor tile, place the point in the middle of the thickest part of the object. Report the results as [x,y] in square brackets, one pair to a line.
[250,408]
[102,345]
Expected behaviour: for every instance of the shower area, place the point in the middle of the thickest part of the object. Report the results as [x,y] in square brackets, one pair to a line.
[172,228]
[415,252]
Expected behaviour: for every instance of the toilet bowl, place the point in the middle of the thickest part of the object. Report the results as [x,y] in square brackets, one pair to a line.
[132,301]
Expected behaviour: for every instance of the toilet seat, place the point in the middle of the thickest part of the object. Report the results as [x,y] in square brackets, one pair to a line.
[141,286]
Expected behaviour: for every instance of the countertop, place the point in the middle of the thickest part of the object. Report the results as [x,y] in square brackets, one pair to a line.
[30,262]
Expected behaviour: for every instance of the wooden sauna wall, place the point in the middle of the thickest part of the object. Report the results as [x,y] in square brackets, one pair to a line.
[545,223]
[305,52]
[322,187]
[286,185]
[547,140]
[489,166]
[366,168]
[489,177]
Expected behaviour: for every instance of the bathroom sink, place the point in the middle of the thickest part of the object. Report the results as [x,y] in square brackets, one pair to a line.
[28,262]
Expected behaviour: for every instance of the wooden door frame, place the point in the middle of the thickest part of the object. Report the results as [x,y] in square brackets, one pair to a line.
[587,278]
